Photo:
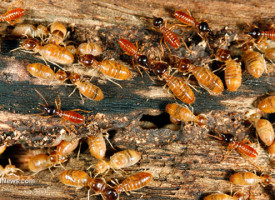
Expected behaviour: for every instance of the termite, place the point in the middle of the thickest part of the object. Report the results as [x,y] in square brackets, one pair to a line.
[258,34]
[168,35]
[97,145]
[39,162]
[250,179]
[68,115]
[179,113]
[89,48]
[177,85]
[87,89]
[45,72]
[232,71]
[132,50]
[253,60]
[269,52]
[264,128]
[58,33]
[119,160]
[267,105]
[242,148]
[12,15]
[62,150]
[205,77]
[9,170]
[30,30]
[50,52]
[107,67]
[134,182]
[187,19]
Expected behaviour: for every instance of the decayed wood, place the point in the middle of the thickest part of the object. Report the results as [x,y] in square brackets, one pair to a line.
[185,163]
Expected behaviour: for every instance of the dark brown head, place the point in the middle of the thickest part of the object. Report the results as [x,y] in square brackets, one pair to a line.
[203,27]
[223,55]
[143,61]
[184,65]
[30,44]
[201,120]
[98,185]
[87,60]
[255,33]
[159,68]
[49,110]
[158,22]
[110,194]
[227,137]
[247,46]
[61,75]
[74,77]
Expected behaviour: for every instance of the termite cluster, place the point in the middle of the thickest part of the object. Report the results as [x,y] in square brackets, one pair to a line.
[52,46]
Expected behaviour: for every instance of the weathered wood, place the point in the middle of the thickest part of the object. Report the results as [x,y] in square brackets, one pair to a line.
[185,163]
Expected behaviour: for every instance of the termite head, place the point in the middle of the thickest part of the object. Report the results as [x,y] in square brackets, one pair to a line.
[159,68]
[56,158]
[11,168]
[227,137]
[255,117]
[101,166]
[49,110]
[61,75]
[255,33]
[74,77]
[201,120]
[267,179]
[98,185]
[87,60]
[247,46]
[158,22]
[143,60]
[203,27]
[30,44]
[110,194]
[223,55]
[184,65]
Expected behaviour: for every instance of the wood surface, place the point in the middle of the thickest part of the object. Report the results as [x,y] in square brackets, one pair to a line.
[186,163]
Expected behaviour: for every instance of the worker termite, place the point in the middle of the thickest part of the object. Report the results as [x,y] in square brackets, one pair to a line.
[179,113]
[30,30]
[45,72]
[68,115]
[264,128]
[119,160]
[242,148]
[260,35]
[267,105]
[188,20]
[253,60]
[107,67]
[9,170]
[80,179]
[62,150]
[250,179]
[89,48]
[39,163]
[50,52]
[269,52]
[12,15]
[132,50]
[86,88]
[232,71]
[97,145]
[205,77]
[134,182]
[58,33]
[177,85]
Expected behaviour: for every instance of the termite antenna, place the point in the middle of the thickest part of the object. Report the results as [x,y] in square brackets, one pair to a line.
[41,96]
